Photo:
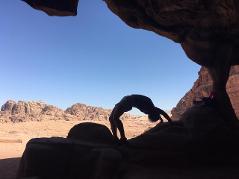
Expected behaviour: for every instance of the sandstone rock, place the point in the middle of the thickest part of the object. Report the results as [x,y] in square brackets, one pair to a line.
[66,159]
[201,136]
[202,27]
[203,87]
[28,111]
[8,106]
[207,31]
[22,111]
[55,7]
[84,112]
[194,142]
[35,108]
[52,111]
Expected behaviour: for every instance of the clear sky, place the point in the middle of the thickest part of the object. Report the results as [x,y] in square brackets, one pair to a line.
[93,58]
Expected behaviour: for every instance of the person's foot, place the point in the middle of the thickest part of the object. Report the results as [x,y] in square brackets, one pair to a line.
[123,140]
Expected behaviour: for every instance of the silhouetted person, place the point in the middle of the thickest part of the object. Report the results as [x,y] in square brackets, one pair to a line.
[143,103]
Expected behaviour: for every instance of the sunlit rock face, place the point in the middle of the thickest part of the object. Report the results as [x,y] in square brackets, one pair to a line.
[55,7]
[203,87]
[202,27]
[23,111]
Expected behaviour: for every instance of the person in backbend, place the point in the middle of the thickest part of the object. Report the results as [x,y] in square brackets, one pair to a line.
[143,103]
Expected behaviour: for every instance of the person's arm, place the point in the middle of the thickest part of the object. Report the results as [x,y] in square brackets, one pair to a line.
[161,112]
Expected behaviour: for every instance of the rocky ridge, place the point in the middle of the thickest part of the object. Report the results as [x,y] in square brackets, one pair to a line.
[203,87]
[23,111]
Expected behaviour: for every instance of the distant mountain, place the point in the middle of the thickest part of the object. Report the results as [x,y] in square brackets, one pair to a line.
[23,111]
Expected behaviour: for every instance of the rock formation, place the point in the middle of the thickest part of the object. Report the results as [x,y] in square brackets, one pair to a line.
[85,112]
[207,31]
[22,111]
[91,132]
[200,140]
[202,88]
[55,7]
[204,137]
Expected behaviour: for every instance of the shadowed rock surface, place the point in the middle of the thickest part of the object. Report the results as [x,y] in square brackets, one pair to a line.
[65,158]
[202,88]
[8,168]
[200,142]
[180,20]
[207,31]
[55,7]
[91,132]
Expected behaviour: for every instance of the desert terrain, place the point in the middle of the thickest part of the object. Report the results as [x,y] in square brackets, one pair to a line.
[23,120]
[14,136]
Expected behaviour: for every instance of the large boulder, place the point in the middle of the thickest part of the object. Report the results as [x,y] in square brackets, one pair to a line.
[61,158]
[91,132]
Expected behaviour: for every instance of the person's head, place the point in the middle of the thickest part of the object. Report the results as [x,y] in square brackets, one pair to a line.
[154,115]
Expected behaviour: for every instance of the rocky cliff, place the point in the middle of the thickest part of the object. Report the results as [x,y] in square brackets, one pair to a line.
[202,88]
[22,111]
[207,31]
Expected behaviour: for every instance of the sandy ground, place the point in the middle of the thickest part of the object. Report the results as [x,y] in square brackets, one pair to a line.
[13,138]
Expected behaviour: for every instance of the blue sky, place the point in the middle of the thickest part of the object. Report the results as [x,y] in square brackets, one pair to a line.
[93,58]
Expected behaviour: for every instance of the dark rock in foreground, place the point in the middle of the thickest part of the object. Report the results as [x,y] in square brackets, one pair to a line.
[200,145]
[91,132]
[65,158]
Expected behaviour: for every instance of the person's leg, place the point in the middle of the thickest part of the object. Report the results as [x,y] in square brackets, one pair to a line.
[114,129]
[120,127]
